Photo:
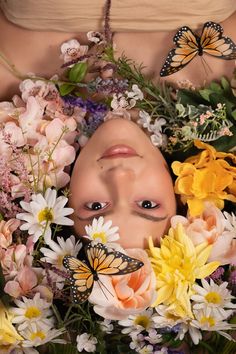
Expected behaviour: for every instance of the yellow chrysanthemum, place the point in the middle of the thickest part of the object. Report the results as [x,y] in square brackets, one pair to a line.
[177,264]
[206,176]
[8,333]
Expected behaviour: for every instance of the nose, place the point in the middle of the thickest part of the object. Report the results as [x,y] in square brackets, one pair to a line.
[119,180]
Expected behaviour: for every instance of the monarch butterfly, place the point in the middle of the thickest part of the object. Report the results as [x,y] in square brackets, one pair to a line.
[189,45]
[100,261]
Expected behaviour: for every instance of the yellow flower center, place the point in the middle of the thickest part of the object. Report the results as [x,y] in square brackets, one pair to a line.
[36,335]
[45,214]
[32,312]
[208,320]
[213,297]
[101,235]
[143,321]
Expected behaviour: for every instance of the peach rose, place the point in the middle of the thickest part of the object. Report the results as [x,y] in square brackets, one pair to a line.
[6,230]
[116,297]
[211,227]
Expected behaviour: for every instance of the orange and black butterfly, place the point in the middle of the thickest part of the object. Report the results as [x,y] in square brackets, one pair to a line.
[100,260]
[188,45]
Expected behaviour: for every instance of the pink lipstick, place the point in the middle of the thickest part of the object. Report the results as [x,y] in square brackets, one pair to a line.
[119,151]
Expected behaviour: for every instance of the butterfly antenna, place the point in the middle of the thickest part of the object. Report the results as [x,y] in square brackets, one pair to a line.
[100,284]
[206,66]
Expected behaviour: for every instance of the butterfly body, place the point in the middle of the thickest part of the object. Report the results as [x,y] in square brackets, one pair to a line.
[188,45]
[100,260]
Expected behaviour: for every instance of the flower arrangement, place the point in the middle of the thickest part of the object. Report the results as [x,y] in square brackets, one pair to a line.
[181,298]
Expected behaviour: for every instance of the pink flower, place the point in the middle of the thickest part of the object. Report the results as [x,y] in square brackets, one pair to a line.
[210,227]
[13,259]
[22,284]
[72,49]
[6,230]
[125,294]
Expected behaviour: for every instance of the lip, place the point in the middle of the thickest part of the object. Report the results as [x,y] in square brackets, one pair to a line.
[119,150]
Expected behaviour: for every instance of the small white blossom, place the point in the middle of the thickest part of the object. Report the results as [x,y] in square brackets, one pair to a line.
[230,223]
[42,211]
[145,120]
[72,49]
[102,232]
[95,37]
[86,342]
[59,250]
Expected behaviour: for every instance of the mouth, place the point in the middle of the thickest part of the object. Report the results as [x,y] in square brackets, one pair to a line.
[118,151]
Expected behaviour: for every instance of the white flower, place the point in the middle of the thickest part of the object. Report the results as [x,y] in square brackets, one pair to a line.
[20,350]
[146,349]
[72,50]
[31,311]
[42,212]
[145,120]
[230,223]
[194,332]
[135,324]
[59,250]
[35,335]
[86,342]
[207,320]
[106,326]
[216,297]
[136,93]
[158,139]
[156,128]
[102,232]
[95,37]
[153,337]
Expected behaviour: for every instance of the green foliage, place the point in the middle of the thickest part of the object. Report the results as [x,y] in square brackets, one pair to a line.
[78,72]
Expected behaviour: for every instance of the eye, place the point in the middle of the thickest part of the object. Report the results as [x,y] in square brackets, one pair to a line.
[148,204]
[96,205]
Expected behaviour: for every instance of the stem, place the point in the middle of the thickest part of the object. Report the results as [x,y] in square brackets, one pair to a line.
[11,67]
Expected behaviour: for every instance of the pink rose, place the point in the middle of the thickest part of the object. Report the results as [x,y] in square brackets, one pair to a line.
[6,230]
[118,296]
[210,227]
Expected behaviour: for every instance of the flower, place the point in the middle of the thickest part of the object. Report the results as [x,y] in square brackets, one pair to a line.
[102,232]
[106,326]
[72,49]
[8,333]
[6,230]
[213,296]
[177,264]
[34,310]
[59,250]
[42,212]
[86,342]
[135,324]
[36,334]
[212,227]
[195,173]
[125,294]
[95,37]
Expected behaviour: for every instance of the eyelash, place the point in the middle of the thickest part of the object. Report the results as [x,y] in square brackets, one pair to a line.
[153,205]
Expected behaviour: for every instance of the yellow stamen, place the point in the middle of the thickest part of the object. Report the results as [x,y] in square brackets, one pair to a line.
[209,320]
[213,297]
[38,334]
[45,214]
[101,235]
[32,312]
[143,321]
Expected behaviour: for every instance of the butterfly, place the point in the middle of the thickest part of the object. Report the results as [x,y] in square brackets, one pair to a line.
[189,45]
[100,260]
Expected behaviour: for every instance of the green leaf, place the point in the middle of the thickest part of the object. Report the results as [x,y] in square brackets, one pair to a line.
[65,89]
[205,94]
[225,84]
[215,87]
[77,72]
[62,349]
[233,114]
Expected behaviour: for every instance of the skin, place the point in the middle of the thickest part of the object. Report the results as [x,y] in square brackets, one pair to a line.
[121,184]
[38,52]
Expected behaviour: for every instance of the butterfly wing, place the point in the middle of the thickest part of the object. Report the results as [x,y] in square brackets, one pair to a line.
[214,43]
[187,48]
[108,262]
[81,278]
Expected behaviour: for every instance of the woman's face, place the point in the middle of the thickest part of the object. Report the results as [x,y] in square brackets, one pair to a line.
[121,176]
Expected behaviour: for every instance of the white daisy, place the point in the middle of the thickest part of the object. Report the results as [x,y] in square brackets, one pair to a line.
[35,335]
[211,295]
[207,320]
[30,311]
[102,232]
[194,332]
[165,318]
[135,324]
[59,250]
[42,212]
[86,342]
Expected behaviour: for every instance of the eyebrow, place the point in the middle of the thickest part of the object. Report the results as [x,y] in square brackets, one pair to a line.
[134,212]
